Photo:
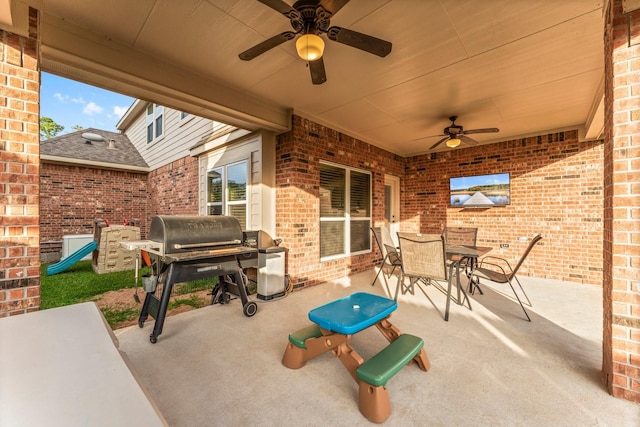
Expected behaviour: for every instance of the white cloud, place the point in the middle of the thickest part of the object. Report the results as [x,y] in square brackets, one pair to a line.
[92,108]
[119,111]
[66,98]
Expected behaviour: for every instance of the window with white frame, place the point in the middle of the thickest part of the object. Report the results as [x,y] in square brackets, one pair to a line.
[345,211]
[155,122]
[227,191]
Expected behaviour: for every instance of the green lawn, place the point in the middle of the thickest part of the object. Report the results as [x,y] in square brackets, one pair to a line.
[80,283]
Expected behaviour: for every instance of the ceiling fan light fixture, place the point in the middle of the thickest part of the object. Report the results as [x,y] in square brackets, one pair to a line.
[310,47]
[453,142]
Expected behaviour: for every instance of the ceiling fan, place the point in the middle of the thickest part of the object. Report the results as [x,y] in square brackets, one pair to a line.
[455,134]
[310,19]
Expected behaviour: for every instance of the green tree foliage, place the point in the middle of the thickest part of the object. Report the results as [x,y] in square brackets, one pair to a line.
[49,128]
[76,128]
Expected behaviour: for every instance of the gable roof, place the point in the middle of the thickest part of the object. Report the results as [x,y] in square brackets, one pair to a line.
[115,151]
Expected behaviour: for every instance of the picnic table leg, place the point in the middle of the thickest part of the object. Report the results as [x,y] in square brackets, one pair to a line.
[386,328]
[349,358]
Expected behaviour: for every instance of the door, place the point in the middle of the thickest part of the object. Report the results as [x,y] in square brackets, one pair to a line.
[392,205]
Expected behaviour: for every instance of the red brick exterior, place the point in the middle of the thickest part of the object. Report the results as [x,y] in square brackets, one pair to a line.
[19,164]
[548,196]
[73,196]
[621,304]
[174,189]
[298,156]
[556,189]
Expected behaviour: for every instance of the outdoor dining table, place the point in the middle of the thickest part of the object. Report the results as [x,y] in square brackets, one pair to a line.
[336,322]
[471,253]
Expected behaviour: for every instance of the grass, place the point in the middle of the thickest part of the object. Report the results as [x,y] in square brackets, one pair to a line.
[80,283]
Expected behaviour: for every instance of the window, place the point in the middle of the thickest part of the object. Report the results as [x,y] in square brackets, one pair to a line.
[154,122]
[345,211]
[227,191]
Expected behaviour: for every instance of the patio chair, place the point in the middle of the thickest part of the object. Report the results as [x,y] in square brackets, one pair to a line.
[498,270]
[466,236]
[390,256]
[424,260]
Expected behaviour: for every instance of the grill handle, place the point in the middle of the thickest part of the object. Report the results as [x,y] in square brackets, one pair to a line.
[205,244]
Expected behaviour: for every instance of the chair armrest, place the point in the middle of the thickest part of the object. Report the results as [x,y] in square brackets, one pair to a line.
[486,261]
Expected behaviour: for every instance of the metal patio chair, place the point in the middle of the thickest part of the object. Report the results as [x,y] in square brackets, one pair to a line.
[466,236]
[390,256]
[424,260]
[498,270]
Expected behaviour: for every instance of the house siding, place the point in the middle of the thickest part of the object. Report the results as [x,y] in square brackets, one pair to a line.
[179,136]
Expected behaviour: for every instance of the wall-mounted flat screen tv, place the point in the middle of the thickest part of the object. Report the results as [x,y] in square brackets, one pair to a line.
[480,190]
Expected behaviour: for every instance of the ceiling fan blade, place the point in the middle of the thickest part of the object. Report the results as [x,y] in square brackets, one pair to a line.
[467,140]
[486,130]
[266,45]
[439,142]
[333,6]
[278,6]
[360,41]
[318,76]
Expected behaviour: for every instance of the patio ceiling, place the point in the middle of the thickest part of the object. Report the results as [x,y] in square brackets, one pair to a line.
[525,67]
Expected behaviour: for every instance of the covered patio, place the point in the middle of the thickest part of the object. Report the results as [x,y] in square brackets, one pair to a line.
[489,366]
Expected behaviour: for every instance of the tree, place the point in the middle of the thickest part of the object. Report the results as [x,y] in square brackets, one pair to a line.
[49,128]
[76,127]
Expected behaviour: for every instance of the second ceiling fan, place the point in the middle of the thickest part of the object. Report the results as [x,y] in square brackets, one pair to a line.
[310,19]
[455,134]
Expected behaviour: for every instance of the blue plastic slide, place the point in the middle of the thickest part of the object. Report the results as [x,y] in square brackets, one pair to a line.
[72,259]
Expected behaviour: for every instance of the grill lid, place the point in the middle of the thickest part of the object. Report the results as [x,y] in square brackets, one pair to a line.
[182,233]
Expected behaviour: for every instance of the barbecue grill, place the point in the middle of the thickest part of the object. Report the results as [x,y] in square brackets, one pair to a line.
[185,248]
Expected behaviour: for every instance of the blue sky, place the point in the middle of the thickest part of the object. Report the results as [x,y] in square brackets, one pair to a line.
[471,181]
[71,103]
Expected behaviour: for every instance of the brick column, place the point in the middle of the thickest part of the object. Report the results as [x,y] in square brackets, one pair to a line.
[621,334]
[19,171]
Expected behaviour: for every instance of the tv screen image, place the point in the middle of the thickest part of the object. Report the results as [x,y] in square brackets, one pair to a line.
[480,190]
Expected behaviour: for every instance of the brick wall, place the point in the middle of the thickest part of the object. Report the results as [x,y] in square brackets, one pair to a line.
[72,196]
[556,189]
[298,155]
[621,305]
[174,189]
[19,163]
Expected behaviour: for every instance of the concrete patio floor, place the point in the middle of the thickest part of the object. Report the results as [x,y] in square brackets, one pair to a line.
[489,366]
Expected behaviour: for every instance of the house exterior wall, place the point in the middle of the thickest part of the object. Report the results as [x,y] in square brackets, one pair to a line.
[621,304]
[179,136]
[556,190]
[298,156]
[72,196]
[173,189]
[258,150]
[556,185]
[19,169]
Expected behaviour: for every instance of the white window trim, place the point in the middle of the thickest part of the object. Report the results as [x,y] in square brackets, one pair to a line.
[347,218]
[225,197]
[154,116]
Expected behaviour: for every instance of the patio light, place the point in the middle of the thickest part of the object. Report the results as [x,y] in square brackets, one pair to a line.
[310,47]
[453,142]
